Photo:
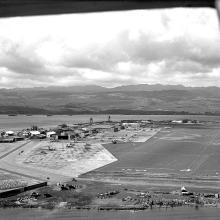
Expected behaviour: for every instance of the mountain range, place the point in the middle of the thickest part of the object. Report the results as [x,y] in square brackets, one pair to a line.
[129,99]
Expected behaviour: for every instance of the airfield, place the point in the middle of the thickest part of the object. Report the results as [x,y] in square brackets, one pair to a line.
[172,157]
[60,164]
[133,165]
[59,161]
[162,156]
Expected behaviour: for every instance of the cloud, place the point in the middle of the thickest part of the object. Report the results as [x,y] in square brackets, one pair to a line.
[175,46]
[19,59]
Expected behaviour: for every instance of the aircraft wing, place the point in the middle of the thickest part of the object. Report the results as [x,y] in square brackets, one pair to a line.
[12,8]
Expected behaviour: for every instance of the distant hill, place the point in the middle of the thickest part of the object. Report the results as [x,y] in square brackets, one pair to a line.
[75,89]
[146,87]
[93,99]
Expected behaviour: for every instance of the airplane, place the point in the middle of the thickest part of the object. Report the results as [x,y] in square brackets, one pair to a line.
[13,8]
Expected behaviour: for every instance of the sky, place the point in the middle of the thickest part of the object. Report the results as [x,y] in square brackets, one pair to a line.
[168,46]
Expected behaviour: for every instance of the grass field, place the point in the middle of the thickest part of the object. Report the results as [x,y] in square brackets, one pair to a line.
[173,150]
[176,152]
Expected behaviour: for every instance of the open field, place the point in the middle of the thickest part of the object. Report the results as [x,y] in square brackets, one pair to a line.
[124,136]
[59,164]
[171,151]
[180,154]
[72,161]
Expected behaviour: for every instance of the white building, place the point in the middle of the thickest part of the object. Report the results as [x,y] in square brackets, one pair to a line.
[33,133]
[177,121]
[131,125]
[50,134]
[9,133]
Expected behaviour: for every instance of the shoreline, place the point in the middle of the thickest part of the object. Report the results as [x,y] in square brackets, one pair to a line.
[105,208]
[110,112]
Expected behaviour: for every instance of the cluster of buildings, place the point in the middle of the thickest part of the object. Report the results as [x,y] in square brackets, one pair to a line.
[76,132]
[80,131]
[61,132]
[185,121]
[10,136]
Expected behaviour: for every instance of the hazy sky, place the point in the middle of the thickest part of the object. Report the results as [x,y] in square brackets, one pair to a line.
[172,46]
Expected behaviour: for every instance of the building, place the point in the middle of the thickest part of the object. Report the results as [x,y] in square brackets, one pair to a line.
[185,192]
[9,133]
[50,134]
[18,138]
[177,121]
[63,136]
[38,136]
[34,133]
[132,125]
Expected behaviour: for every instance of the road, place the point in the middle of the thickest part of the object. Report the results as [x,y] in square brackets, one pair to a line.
[15,149]
[21,174]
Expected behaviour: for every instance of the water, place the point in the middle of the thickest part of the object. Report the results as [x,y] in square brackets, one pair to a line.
[155,214]
[23,121]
